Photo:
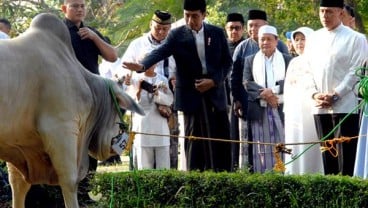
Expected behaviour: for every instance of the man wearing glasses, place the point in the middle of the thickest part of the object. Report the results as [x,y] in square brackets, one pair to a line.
[234,30]
[235,34]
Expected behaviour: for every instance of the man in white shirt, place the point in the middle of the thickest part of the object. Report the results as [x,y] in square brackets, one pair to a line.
[333,53]
[160,26]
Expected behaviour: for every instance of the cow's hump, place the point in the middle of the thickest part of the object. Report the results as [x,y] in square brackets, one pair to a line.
[52,24]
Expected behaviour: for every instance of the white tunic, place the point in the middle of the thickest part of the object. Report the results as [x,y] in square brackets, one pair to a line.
[143,45]
[342,50]
[152,122]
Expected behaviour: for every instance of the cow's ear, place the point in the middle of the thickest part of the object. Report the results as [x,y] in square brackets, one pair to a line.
[125,101]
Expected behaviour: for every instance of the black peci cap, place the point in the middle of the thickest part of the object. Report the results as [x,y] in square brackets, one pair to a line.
[193,5]
[162,17]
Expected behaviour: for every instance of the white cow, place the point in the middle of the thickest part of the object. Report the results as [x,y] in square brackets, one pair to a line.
[53,111]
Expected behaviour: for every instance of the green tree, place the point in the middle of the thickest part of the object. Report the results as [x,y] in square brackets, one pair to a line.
[133,18]
[125,20]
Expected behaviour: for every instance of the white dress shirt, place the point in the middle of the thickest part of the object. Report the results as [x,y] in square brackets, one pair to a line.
[200,43]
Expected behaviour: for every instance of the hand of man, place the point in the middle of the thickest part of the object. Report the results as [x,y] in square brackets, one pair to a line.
[269,97]
[202,85]
[173,82]
[238,109]
[133,66]
[322,100]
[86,33]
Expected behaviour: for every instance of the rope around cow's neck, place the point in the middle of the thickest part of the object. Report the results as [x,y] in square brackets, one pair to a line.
[116,104]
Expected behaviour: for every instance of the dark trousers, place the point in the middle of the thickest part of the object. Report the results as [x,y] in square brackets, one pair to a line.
[204,154]
[344,163]
[234,135]
[174,140]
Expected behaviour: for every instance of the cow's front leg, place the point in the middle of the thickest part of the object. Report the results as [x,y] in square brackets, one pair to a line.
[67,175]
[66,167]
[19,186]
[70,196]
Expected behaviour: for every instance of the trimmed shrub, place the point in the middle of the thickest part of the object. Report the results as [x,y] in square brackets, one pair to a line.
[207,189]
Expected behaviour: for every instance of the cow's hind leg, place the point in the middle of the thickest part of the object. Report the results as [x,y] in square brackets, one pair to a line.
[19,186]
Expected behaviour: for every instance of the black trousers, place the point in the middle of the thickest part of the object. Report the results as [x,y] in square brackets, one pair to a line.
[204,154]
[344,163]
[235,136]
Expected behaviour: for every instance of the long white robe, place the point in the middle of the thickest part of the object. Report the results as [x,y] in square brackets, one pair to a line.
[299,122]
[333,57]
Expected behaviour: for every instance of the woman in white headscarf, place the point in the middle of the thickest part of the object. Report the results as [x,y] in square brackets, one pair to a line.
[299,123]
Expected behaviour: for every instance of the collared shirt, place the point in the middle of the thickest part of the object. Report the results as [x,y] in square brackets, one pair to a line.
[146,44]
[200,43]
[270,80]
[153,41]
[86,51]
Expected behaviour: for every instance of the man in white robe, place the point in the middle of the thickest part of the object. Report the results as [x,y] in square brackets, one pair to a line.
[333,53]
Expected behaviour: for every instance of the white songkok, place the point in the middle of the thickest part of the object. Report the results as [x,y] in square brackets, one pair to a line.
[267,29]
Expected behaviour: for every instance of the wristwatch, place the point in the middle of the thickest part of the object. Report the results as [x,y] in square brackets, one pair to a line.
[335,98]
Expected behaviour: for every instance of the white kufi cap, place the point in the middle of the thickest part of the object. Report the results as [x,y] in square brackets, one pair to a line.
[267,29]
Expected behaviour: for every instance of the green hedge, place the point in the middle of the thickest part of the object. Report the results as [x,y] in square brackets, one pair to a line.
[208,189]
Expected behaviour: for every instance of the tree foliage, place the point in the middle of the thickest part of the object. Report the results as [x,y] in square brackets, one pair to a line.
[125,20]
